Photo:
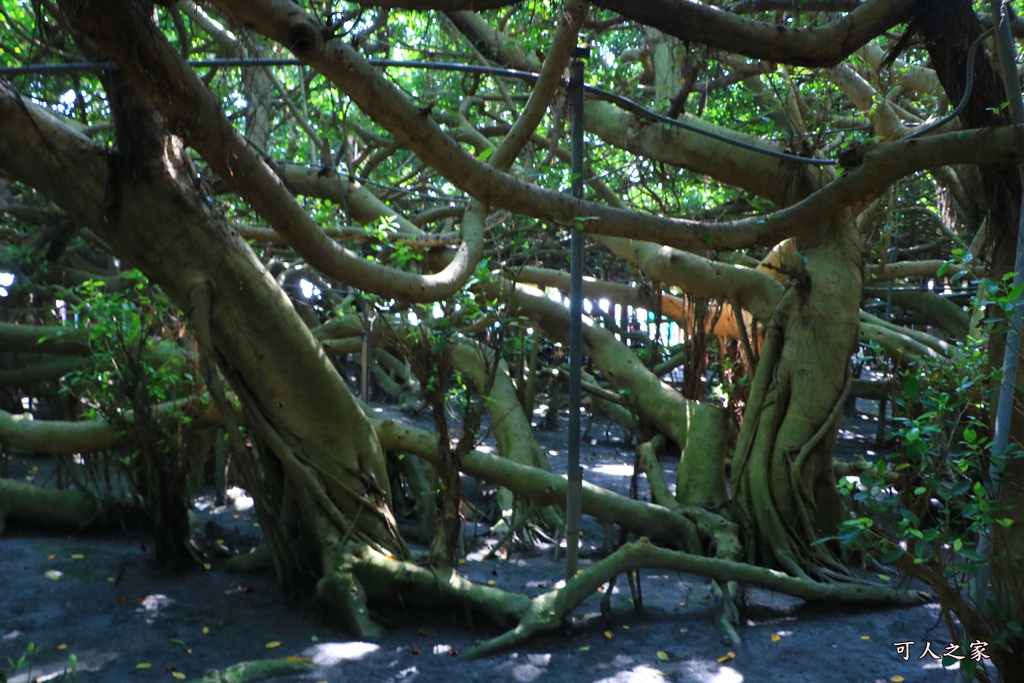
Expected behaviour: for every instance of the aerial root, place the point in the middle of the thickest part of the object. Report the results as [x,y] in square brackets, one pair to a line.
[727,614]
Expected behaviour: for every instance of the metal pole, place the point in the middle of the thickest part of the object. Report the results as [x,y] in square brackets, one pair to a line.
[364,374]
[575,472]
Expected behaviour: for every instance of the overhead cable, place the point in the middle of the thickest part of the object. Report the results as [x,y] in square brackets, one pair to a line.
[528,76]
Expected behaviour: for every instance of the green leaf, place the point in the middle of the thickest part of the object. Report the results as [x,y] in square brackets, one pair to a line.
[912,386]
[891,556]
[486,154]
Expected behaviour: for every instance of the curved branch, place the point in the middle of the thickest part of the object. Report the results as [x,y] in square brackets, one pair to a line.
[758,173]
[880,165]
[543,487]
[928,268]
[442,5]
[817,46]
[544,89]
[38,149]
[491,43]
[54,339]
[593,288]
[85,436]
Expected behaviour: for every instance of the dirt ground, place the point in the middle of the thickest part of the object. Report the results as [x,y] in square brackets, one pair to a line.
[92,605]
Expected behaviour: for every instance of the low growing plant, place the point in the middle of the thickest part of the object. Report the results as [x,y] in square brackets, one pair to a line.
[931,507]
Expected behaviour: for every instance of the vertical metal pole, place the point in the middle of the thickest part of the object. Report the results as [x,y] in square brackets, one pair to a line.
[575,472]
[890,256]
[364,374]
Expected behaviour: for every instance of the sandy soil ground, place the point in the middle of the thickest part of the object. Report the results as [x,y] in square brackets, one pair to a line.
[92,606]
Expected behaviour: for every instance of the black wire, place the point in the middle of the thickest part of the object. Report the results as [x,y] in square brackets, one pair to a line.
[968,87]
[528,76]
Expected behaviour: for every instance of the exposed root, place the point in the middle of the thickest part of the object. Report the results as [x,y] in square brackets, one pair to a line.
[345,598]
[547,612]
[47,507]
[247,672]
[727,615]
[385,579]
[257,560]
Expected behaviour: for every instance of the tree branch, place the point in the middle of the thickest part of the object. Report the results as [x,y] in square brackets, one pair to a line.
[191,110]
[816,46]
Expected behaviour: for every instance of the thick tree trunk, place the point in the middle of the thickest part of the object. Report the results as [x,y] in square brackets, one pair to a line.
[783,483]
[324,467]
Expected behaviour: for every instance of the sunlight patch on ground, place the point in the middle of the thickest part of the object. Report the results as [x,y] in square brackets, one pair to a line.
[153,606]
[726,675]
[444,649]
[239,498]
[613,470]
[330,654]
[648,674]
[61,670]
